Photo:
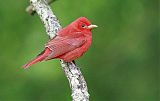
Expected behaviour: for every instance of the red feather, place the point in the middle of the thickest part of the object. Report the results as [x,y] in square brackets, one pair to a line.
[70,43]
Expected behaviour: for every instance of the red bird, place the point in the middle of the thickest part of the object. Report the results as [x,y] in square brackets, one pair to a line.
[69,44]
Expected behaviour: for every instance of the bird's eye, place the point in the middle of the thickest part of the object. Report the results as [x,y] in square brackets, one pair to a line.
[83,25]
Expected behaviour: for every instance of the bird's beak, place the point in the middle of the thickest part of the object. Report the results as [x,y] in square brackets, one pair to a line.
[92,26]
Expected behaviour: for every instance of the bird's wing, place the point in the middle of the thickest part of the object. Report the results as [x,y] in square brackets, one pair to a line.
[62,45]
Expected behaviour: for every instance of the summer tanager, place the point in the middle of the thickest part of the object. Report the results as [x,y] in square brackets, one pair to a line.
[69,44]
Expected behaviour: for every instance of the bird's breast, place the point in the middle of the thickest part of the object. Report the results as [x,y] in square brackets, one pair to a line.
[87,44]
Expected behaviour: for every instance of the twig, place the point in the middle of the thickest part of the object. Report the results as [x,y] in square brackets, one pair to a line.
[76,80]
[32,11]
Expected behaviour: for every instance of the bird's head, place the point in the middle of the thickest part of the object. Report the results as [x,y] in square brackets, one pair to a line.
[83,24]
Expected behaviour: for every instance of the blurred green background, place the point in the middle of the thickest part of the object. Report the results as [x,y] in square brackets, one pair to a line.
[121,65]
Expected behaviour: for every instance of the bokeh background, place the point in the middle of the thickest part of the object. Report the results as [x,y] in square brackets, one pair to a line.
[121,65]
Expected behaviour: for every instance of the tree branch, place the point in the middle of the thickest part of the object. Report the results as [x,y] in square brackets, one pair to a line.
[76,80]
[30,9]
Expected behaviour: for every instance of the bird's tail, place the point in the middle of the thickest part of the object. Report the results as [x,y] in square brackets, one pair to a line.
[39,58]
